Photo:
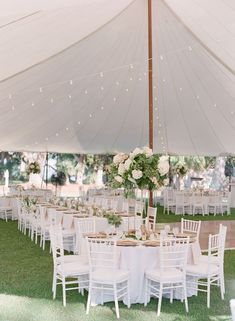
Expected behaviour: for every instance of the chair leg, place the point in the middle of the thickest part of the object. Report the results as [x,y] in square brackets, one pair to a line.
[43,242]
[64,292]
[54,285]
[222,289]
[128,294]
[159,300]
[116,301]
[171,294]
[89,298]
[185,296]
[208,292]
[146,292]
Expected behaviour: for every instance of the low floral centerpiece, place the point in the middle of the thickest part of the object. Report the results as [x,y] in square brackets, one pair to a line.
[113,219]
[33,168]
[29,204]
[139,169]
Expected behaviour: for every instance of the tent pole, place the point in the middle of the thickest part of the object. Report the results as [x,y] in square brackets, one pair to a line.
[46,169]
[150,84]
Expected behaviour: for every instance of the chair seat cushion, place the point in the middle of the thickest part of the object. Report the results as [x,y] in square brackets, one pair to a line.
[5,208]
[204,259]
[72,269]
[110,276]
[72,259]
[201,269]
[168,275]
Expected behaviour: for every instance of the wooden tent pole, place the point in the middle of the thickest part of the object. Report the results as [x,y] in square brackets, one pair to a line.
[150,84]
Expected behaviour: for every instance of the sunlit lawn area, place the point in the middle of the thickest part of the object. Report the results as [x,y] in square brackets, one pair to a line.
[25,290]
[165,218]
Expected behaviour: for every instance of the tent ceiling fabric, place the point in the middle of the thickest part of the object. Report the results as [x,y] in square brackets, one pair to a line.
[83,87]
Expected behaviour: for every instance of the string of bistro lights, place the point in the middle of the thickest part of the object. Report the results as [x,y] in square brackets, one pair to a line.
[101,75]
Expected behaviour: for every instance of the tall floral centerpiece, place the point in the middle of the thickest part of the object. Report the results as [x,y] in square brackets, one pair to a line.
[180,169]
[34,170]
[140,169]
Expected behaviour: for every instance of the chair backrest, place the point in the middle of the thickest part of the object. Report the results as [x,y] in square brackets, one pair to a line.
[139,208]
[198,199]
[173,253]
[104,204]
[56,239]
[222,240]
[125,206]
[191,226]
[54,217]
[179,198]
[214,250]
[4,201]
[114,205]
[102,255]
[83,226]
[151,218]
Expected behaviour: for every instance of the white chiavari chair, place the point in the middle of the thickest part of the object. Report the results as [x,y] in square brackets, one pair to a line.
[205,274]
[171,274]
[190,226]
[104,274]
[66,271]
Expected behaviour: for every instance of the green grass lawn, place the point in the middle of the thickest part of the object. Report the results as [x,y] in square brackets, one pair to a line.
[25,290]
[165,218]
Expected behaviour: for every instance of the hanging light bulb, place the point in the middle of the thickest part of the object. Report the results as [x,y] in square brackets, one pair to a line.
[40,89]
[71,82]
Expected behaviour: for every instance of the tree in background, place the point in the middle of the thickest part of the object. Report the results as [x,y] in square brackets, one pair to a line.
[10,161]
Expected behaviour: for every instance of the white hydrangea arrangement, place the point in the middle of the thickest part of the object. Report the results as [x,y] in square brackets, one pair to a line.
[180,168]
[139,169]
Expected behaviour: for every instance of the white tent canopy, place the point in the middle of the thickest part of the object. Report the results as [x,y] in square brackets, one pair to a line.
[74,76]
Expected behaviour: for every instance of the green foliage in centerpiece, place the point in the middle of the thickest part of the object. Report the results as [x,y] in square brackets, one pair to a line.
[113,219]
[33,168]
[140,169]
[29,204]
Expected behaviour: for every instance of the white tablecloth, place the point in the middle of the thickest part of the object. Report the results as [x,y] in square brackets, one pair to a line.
[137,260]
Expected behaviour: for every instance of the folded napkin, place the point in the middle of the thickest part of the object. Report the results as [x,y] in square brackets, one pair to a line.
[152,243]
[96,235]
[127,243]
[71,212]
